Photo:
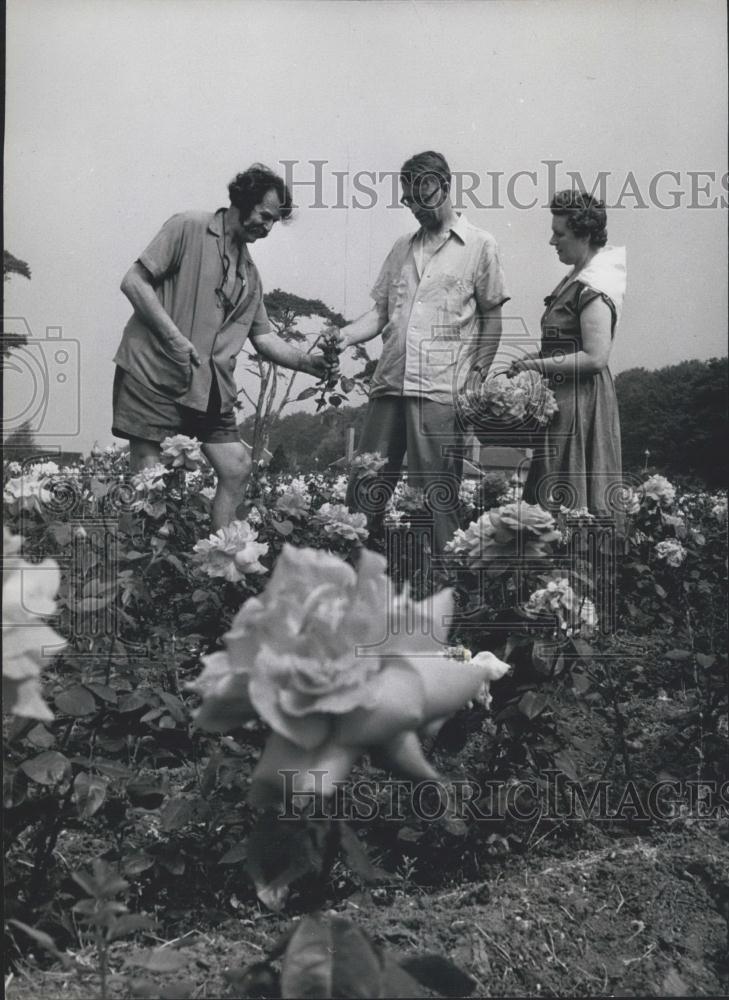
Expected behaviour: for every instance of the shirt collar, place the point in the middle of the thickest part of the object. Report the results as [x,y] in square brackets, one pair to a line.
[215,228]
[458,229]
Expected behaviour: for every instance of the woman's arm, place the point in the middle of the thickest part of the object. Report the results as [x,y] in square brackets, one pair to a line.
[596,328]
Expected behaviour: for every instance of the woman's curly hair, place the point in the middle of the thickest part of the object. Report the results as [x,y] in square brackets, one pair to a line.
[246,190]
[585,215]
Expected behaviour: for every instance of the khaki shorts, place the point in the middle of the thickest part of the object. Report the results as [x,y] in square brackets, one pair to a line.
[140,412]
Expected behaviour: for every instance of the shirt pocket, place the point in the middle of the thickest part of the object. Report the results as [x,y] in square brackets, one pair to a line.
[449,296]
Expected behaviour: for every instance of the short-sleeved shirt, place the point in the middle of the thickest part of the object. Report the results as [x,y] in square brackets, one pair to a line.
[185,261]
[433,332]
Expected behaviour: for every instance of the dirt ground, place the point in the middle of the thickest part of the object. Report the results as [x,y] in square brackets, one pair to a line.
[631,918]
[588,909]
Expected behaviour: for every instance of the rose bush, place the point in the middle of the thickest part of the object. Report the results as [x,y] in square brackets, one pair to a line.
[325,658]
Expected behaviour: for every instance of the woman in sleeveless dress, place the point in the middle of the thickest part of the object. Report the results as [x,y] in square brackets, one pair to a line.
[577,459]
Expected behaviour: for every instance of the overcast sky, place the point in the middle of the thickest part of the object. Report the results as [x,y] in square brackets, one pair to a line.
[122,112]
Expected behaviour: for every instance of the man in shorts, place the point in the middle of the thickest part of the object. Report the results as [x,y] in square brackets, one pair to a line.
[197,298]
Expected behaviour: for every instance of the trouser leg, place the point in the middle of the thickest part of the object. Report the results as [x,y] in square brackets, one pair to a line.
[384,431]
[435,463]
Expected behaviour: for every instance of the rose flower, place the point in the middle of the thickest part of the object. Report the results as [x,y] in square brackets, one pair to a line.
[335,664]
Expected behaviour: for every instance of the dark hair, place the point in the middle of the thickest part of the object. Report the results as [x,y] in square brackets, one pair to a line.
[427,164]
[246,190]
[585,215]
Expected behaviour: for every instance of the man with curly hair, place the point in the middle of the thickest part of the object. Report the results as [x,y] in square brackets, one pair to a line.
[197,298]
[437,305]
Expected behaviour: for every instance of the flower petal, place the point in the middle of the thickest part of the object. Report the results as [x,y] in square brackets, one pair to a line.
[398,703]
[494,667]
[306,731]
[448,684]
[404,756]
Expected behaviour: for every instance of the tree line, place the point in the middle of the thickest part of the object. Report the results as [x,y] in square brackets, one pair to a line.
[677,413]
[673,419]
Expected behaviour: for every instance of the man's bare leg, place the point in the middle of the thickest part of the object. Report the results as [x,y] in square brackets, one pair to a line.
[232,465]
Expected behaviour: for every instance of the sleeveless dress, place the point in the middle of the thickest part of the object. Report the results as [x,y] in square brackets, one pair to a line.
[577,458]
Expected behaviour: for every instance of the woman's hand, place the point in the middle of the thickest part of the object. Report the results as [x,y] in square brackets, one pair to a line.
[518,365]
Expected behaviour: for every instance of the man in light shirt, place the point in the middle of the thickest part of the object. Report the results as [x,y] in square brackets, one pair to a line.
[437,306]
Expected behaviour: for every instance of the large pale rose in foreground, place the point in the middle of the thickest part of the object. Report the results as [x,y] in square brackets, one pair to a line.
[335,663]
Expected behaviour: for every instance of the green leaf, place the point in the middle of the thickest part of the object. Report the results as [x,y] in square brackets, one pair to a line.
[308,393]
[128,923]
[330,957]
[235,855]
[531,704]
[678,654]
[566,765]
[49,768]
[135,864]
[397,982]
[39,736]
[283,527]
[705,660]
[174,706]
[132,702]
[660,591]
[87,882]
[356,854]
[438,974]
[278,853]
[76,701]
[542,657]
[111,769]
[176,814]
[103,692]
[89,793]
[40,937]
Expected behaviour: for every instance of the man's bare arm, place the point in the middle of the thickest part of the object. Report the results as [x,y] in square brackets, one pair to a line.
[363,329]
[138,287]
[274,348]
[490,337]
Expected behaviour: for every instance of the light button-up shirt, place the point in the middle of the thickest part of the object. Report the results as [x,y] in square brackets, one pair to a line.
[433,321]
